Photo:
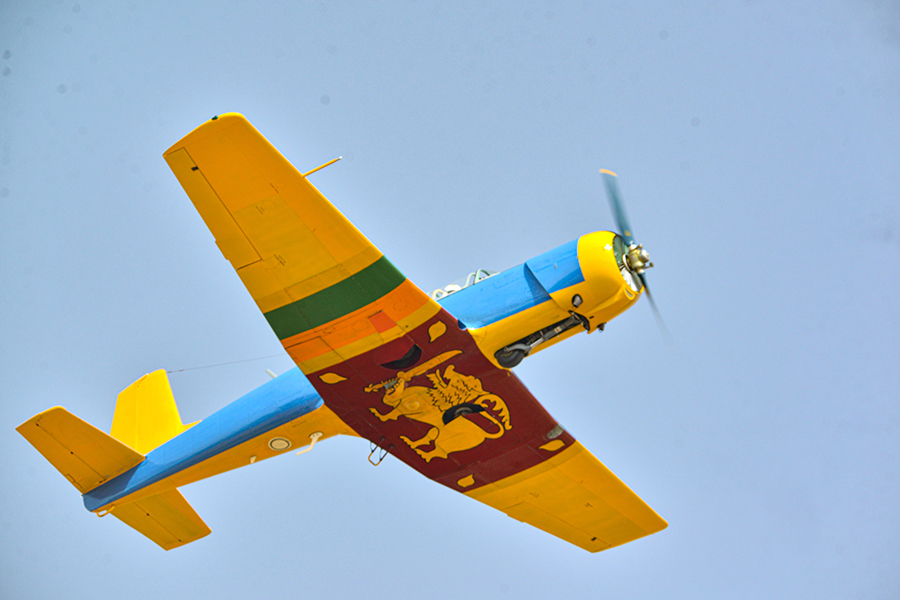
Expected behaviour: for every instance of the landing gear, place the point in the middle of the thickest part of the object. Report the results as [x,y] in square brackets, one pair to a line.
[511,355]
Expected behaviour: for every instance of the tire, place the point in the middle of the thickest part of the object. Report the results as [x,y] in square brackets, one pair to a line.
[509,357]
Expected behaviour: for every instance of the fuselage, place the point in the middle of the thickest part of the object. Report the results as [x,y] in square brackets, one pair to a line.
[578,286]
[257,414]
[586,278]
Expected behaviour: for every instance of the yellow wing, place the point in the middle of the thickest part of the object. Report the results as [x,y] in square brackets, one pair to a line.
[574,497]
[303,262]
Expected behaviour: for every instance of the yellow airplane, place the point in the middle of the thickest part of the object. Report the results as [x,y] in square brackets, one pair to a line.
[424,377]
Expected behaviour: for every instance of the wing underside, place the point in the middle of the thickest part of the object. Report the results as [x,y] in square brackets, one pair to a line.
[388,360]
[313,275]
[574,497]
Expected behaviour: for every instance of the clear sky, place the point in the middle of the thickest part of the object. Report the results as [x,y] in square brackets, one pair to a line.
[757,148]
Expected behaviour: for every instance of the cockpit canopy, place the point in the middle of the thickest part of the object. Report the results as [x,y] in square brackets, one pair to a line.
[462,283]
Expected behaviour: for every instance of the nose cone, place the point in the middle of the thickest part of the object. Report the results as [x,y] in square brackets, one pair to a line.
[609,287]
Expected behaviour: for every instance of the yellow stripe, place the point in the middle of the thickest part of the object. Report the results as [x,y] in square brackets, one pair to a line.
[320,362]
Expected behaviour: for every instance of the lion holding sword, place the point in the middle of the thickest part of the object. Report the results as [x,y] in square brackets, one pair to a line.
[451,396]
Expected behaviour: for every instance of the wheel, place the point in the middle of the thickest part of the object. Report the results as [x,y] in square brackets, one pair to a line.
[509,357]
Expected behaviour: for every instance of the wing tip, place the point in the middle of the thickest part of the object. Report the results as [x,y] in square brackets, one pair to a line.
[33,420]
[215,123]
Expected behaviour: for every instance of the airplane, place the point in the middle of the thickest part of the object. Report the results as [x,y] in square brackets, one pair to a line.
[424,377]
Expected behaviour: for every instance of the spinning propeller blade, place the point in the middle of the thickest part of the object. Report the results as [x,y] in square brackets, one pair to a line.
[638,259]
[659,319]
[618,209]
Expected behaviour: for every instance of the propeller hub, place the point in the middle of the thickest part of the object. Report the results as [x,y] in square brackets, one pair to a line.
[637,259]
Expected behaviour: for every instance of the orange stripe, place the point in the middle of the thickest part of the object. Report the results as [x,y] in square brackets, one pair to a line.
[396,306]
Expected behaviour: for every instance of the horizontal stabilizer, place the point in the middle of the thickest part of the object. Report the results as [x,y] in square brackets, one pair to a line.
[84,455]
[165,518]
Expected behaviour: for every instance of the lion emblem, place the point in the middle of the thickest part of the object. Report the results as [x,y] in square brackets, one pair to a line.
[451,395]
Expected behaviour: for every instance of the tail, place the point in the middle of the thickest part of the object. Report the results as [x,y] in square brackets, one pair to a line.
[145,417]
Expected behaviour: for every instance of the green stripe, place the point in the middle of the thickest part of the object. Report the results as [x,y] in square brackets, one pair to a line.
[367,286]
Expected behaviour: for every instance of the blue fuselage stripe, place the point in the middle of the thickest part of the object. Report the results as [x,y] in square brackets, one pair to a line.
[559,268]
[516,289]
[496,298]
[275,403]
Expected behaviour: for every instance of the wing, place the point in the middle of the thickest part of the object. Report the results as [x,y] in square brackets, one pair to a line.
[302,261]
[386,358]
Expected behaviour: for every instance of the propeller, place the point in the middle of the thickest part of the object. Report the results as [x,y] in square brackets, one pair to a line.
[637,259]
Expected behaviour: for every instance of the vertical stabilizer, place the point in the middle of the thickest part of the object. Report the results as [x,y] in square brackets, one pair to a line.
[146,416]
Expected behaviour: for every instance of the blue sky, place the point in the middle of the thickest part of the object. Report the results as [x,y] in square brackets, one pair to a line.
[756,144]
